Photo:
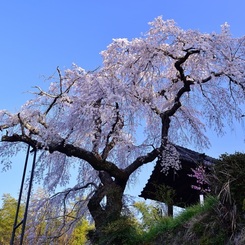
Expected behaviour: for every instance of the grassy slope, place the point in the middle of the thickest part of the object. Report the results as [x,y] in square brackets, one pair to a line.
[195,226]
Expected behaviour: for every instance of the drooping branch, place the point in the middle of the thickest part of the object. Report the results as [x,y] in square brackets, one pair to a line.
[59,207]
[208,99]
[242,85]
[65,194]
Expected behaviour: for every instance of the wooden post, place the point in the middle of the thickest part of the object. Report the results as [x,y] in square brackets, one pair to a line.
[201,196]
[170,210]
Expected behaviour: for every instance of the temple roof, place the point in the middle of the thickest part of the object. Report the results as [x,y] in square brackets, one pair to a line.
[177,180]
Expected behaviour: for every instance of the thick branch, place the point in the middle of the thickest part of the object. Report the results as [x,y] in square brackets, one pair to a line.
[97,122]
[166,115]
[178,64]
[116,127]
[95,208]
[71,151]
[151,156]
[187,82]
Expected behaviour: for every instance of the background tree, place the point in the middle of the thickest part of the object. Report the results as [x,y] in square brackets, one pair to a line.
[171,84]
[7,217]
[150,214]
[50,225]
[37,234]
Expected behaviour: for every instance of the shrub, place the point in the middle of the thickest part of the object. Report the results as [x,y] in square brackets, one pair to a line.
[228,181]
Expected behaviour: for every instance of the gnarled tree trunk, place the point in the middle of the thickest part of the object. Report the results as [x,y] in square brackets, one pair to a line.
[106,204]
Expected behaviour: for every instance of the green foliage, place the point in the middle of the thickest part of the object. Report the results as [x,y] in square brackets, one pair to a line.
[164,193]
[150,214]
[169,224]
[207,229]
[79,234]
[229,179]
[124,231]
[7,217]
[228,182]
[198,224]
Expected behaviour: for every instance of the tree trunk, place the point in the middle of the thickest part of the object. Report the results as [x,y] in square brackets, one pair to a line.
[106,204]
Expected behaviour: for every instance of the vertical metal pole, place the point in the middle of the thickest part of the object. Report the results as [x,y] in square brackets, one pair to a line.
[28,197]
[20,196]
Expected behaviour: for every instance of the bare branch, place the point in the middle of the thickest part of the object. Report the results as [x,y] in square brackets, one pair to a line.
[41,93]
[208,99]
[236,82]
[213,74]
[5,126]
[60,78]
[238,47]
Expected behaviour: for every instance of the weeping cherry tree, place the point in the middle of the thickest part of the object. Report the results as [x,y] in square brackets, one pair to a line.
[171,84]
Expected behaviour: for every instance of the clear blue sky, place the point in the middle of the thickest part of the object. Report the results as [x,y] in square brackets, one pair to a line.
[38,36]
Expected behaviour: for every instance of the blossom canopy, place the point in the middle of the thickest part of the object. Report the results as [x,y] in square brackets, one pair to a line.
[165,87]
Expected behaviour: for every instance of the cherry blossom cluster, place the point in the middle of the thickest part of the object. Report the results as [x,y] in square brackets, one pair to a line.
[170,158]
[200,175]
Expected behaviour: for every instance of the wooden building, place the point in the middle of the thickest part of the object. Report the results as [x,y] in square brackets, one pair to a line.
[175,187]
